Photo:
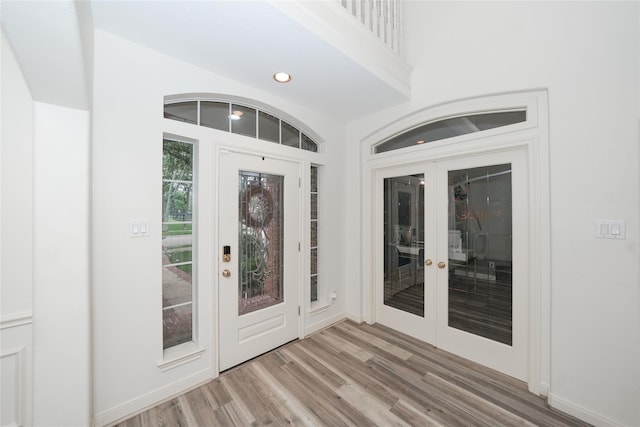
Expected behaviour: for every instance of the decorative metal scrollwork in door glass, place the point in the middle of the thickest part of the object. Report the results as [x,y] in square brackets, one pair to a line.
[260,238]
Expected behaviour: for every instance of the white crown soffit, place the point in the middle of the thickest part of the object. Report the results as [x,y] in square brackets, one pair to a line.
[249,41]
[45,37]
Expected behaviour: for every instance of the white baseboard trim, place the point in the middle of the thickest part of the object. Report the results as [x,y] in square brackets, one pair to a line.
[151,399]
[581,412]
[325,323]
[544,389]
[354,317]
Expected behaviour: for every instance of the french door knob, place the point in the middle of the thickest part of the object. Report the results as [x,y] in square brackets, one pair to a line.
[441,264]
[226,273]
[428,262]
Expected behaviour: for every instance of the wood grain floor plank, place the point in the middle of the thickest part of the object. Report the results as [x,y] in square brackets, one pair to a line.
[241,408]
[351,392]
[305,416]
[349,331]
[343,345]
[349,367]
[323,373]
[347,411]
[357,375]
[412,416]
[321,409]
[265,407]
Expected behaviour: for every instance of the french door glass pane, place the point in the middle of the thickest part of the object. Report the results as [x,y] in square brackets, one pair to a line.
[480,252]
[404,243]
[261,237]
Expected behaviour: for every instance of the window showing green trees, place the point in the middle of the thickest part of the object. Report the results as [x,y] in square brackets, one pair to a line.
[177,242]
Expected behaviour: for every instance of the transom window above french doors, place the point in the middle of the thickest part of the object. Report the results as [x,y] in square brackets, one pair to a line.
[458,122]
[451,127]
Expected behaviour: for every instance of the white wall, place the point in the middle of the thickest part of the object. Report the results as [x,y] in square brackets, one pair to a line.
[586,54]
[17,187]
[61,307]
[16,248]
[129,85]
[45,262]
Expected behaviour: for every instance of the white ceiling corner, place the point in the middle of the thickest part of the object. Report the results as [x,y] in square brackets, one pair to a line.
[245,40]
[45,37]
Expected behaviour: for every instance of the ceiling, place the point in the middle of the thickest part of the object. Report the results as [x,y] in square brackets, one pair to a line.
[247,41]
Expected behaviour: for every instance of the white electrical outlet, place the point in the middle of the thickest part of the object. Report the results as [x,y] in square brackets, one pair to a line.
[334,295]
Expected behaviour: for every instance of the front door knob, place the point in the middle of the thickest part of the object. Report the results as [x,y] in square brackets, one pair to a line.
[441,264]
[226,273]
[428,262]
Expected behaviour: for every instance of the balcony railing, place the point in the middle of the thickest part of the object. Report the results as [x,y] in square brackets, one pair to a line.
[381,17]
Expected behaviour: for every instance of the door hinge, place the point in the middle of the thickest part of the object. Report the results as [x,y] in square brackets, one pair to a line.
[298,310]
[299,182]
[298,246]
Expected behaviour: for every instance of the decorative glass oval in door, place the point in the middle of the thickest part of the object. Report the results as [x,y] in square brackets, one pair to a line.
[260,238]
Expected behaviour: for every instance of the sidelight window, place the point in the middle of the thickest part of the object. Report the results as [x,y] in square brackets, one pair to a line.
[314,234]
[177,243]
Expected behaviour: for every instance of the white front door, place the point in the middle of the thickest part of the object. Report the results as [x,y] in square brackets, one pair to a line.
[452,252]
[259,266]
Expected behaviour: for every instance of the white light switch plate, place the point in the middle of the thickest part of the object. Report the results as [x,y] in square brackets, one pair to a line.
[611,229]
[138,228]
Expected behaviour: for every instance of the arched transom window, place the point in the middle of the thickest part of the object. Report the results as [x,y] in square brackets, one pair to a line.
[241,119]
[451,127]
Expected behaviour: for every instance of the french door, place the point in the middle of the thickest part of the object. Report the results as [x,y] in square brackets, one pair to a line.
[259,266]
[452,255]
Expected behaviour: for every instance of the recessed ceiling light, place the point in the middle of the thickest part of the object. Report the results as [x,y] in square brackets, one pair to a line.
[420,141]
[282,77]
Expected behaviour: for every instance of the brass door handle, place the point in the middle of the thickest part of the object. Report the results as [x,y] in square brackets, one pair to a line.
[441,264]
[428,262]
[226,273]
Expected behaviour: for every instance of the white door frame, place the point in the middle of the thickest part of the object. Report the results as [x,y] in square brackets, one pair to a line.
[532,136]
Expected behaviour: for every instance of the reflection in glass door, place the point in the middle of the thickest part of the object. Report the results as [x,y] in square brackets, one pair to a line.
[404,243]
[480,251]
[453,243]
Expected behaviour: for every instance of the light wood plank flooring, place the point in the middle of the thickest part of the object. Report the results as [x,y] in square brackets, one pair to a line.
[357,375]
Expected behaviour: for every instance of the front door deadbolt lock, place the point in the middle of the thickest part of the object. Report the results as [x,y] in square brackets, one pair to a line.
[226,273]
[226,253]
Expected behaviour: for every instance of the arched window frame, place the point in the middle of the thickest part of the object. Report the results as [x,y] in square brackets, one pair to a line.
[496,103]
[308,140]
